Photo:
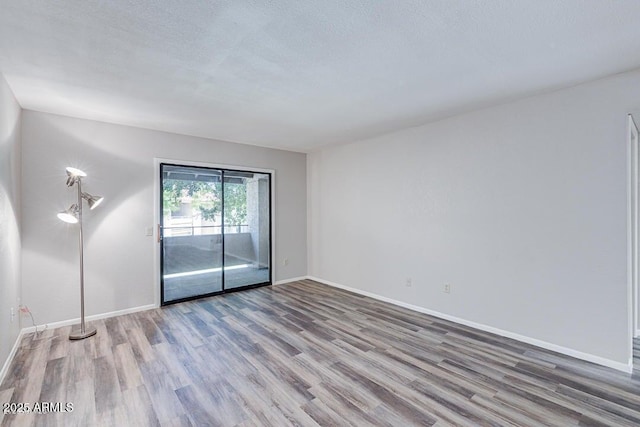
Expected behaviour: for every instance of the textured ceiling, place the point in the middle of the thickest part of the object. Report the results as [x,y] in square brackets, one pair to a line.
[299,74]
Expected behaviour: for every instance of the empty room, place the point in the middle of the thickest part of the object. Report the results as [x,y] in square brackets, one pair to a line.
[331,213]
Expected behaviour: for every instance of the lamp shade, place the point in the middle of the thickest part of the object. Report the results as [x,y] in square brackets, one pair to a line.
[73,175]
[92,201]
[75,172]
[70,215]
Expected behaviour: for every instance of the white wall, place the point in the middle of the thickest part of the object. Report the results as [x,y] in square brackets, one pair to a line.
[10,115]
[119,264]
[522,208]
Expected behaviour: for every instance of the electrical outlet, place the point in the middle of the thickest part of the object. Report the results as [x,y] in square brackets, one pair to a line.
[13,314]
[447,288]
[285,261]
[148,231]
[408,283]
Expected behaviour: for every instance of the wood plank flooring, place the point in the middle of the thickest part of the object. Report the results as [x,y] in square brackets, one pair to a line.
[306,354]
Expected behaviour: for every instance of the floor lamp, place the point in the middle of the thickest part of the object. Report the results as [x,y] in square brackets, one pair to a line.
[73,215]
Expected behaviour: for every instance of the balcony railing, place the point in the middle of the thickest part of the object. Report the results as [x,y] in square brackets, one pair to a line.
[202,230]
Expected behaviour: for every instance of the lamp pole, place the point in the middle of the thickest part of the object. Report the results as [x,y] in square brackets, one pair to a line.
[83,332]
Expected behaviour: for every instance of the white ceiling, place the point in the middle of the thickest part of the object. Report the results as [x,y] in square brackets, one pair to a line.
[300,74]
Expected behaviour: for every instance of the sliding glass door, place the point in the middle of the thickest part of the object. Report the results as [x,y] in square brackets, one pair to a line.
[215,231]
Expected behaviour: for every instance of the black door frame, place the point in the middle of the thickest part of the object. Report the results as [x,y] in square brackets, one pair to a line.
[222,171]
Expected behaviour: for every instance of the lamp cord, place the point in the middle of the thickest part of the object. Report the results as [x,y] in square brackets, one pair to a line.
[24,309]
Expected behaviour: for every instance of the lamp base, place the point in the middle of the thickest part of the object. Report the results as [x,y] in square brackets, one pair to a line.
[79,335]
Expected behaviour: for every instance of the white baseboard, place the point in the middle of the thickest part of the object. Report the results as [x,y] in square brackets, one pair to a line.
[12,353]
[90,318]
[624,367]
[293,279]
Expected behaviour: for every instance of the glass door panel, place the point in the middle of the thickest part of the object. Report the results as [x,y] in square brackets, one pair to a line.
[215,231]
[247,229]
[191,230]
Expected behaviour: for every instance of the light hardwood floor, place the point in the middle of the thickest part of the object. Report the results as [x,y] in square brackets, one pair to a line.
[306,354]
